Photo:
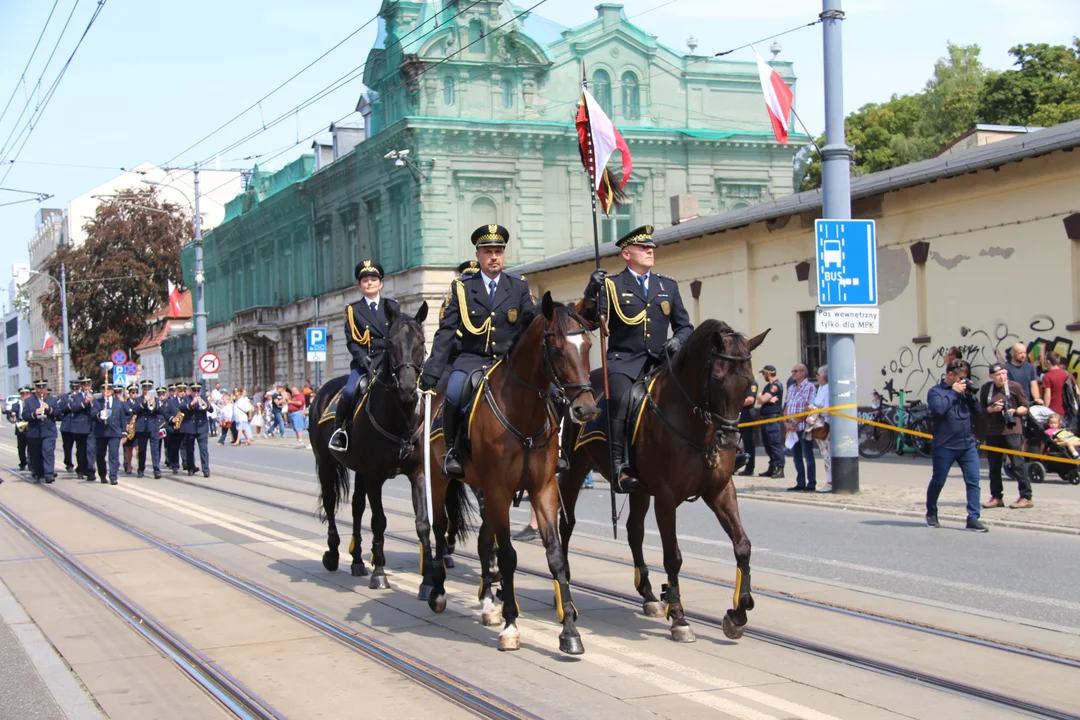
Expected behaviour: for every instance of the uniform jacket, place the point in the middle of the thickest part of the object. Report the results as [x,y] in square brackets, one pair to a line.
[366,334]
[116,425]
[747,413]
[45,427]
[776,409]
[65,411]
[639,325]
[484,328]
[169,408]
[80,410]
[147,420]
[15,414]
[195,421]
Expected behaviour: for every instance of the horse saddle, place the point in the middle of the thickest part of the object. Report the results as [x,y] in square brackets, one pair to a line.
[597,429]
[331,409]
[474,385]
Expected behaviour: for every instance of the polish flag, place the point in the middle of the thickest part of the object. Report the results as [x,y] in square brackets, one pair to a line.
[49,342]
[174,299]
[606,139]
[778,99]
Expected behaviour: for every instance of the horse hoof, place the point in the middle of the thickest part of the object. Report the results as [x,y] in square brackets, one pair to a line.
[358,569]
[571,644]
[653,609]
[509,639]
[492,619]
[448,562]
[425,592]
[731,630]
[682,634]
[437,603]
[330,561]
[379,582]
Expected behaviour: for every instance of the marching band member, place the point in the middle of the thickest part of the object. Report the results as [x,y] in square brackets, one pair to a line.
[112,413]
[80,409]
[147,424]
[196,426]
[41,411]
[15,418]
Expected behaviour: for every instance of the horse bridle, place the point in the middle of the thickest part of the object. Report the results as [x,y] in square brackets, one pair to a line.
[559,394]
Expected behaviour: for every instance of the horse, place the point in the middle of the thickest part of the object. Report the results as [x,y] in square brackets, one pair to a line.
[513,430]
[382,439]
[684,444]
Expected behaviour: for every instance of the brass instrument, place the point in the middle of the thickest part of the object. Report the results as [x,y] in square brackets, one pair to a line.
[177,420]
[131,428]
[21,425]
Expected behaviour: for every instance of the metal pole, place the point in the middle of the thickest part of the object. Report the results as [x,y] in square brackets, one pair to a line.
[836,205]
[64,317]
[200,280]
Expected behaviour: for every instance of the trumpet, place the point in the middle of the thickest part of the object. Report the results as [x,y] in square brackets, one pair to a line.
[177,420]
[21,425]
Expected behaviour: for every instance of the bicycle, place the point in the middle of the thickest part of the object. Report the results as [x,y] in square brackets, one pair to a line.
[875,441]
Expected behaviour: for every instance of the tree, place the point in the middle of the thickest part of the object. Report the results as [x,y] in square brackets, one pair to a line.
[118,277]
[1045,90]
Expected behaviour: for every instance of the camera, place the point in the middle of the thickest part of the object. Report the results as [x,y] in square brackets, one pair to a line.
[1007,412]
[970,388]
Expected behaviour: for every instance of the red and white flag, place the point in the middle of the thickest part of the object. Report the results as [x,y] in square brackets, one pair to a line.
[606,139]
[778,99]
[174,299]
[49,342]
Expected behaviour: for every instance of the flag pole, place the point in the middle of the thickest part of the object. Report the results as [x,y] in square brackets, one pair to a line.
[612,478]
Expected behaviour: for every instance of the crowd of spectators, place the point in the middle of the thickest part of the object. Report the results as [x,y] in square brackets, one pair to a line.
[279,411]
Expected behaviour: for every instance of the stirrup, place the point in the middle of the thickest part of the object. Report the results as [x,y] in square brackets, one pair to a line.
[626,483]
[458,472]
[339,440]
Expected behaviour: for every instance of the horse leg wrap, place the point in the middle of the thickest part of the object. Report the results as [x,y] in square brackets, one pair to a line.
[738,588]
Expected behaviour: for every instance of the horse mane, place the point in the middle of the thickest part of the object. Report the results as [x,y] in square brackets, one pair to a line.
[702,333]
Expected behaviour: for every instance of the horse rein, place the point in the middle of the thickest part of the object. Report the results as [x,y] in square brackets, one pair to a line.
[559,395]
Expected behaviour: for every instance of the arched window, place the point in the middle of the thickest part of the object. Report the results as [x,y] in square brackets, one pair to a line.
[448,90]
[476,36]
[602,90]
[631,96]
[483,212]
[507,93]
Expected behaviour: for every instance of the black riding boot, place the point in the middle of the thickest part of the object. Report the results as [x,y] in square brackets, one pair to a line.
[339,440]
[624,482]
[452,467]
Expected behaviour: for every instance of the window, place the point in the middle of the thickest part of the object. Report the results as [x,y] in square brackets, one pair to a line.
[483,212]
[507,94]
[631,97]
[448,90]
[12,329]
[602,90]
[476,36]
[13,355]
[814,351]
[620,222]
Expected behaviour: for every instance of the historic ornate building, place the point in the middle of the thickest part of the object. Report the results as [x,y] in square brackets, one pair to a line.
[482,96]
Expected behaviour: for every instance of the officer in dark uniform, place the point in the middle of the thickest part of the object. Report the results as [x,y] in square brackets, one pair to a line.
[771,400]
[464,270]
[111,415]
[15,418]
[147,424]
[41,411]
[366,331]
[196,426]
[158,437]
[641,306]
[484,310]
[66,438]
[747,434]
[173,438]
[80,408]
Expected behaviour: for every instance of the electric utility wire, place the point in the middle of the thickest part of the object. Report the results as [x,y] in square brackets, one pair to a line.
[22,77]
[779,34]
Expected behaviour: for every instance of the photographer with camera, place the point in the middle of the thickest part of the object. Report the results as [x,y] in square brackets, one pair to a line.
[1005,403]
[952,403]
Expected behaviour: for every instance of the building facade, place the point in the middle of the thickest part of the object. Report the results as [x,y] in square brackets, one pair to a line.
[482,97]
[49,234]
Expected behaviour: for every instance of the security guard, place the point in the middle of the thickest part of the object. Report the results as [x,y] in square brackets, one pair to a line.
[464,270]
[747,433]
[41,412]
[66,438]
[771,400]
[366,331]
[15,418]
[484,310]
[80,407]
[641,306]
[196,426]
[111,415]
[147,424]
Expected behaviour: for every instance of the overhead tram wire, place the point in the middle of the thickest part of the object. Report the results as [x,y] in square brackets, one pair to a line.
[22,77]
[756,42]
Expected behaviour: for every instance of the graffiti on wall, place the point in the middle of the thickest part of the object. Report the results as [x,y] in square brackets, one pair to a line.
[917,369]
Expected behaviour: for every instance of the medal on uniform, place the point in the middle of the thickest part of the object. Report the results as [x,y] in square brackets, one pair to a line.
[512,315]
[666,307]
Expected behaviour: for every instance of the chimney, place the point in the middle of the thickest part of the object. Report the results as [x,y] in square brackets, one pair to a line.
[610,13]
[683,207]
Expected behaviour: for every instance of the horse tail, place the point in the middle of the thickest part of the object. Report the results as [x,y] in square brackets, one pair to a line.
[459,509]
[333,485]
[333,476]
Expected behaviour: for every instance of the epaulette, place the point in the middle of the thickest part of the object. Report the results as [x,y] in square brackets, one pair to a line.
[513,275]
[666,277]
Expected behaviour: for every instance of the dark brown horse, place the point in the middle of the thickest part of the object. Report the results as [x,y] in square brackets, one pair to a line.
[684,447]
[513,430]
[382,441]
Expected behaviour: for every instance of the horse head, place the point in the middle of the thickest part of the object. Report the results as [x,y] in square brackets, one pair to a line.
[730,374]
[566,347]
[406,341]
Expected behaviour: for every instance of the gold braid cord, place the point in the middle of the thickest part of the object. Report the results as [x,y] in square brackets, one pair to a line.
[463,310]
[613,302]
[364,339]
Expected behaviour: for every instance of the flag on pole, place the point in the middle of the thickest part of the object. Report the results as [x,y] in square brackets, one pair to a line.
[606,139]
[49,342]
[778,99]
[174,299]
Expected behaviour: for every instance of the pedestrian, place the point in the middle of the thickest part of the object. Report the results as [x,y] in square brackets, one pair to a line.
[15,418]
[257,420]
[41,412]
[1053,386]
[799,397]
[1004,403]
[819,429]
[242,412]
[746,434]
[224,414]
[278,410]
[771,404]
[113,414]
[952,403]
[1023,374]
[530,531]
[296,413]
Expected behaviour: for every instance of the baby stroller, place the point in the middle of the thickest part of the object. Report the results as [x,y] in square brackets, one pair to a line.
[1035,430]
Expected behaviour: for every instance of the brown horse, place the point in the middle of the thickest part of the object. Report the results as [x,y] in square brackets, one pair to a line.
[513,431]
[684,444]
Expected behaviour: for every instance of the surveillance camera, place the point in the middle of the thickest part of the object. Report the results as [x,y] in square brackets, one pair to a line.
[399,162]
[390,155]
[403,153]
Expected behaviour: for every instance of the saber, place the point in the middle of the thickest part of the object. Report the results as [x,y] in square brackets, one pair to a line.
[427,459]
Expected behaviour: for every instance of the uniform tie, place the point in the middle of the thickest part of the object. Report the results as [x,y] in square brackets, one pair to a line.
[491,292]
[641,280]
[373,306]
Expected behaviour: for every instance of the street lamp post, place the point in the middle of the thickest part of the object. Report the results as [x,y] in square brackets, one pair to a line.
[200,303]
[62,282]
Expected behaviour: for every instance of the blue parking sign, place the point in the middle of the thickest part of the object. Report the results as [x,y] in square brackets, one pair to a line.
[119,377]
[316,344]
[846,262]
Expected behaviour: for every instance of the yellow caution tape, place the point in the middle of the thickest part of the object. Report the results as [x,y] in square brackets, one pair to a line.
[887,426]
[799,415]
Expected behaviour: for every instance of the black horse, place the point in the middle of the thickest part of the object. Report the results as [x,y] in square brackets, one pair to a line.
[384,434]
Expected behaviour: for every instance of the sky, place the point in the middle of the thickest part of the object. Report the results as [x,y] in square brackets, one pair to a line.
[152,78]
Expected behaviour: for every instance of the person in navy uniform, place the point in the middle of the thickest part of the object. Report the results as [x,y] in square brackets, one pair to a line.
[158,437]
[483,310]
[147,423]
[80,406]
[641,307]
[196,426]
[111,415]
[66,438]
[771,400]
[173,438]
[41,411]
[14,416]
[747,433]
[366,333]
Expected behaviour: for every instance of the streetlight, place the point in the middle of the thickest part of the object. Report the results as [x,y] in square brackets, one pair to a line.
[62,282]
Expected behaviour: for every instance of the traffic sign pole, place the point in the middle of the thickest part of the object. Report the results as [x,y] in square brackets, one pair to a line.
[836,204]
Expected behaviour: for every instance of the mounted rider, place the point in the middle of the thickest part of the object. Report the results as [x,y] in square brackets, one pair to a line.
[502,300]
[366,330]
[641,306]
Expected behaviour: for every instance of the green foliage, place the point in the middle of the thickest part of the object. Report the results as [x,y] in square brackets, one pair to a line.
[1045,90]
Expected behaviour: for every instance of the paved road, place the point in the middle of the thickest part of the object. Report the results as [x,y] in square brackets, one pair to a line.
[1020,574]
